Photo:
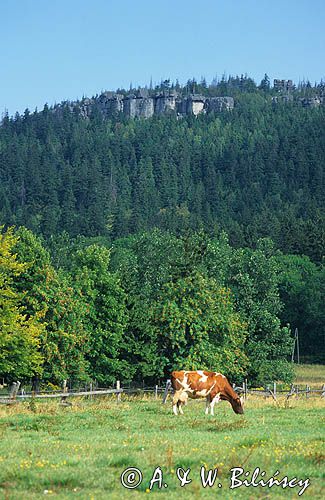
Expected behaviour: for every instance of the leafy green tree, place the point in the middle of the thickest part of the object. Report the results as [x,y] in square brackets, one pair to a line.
[144,262]
[199,328]
[51,294]
[19,332]
[160,274]
[106,317]
[254,280]
[302,286]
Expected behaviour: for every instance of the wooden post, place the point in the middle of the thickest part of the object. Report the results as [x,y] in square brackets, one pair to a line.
[273,394]
[156,392]
[245,394]
[307,391]
[91,390]
[14,390]
[298,354]
[168,384]
[118,387]
[292,391]
[274,389]
[323,393]
[293,350]
[65,389]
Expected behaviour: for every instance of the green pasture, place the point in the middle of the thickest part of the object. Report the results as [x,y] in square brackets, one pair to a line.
[81,451]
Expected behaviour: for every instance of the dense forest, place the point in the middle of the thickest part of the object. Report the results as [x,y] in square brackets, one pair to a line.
[256,171]
[144,245]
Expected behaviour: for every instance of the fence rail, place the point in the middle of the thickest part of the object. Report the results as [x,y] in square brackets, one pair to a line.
[69,394]
[14,397]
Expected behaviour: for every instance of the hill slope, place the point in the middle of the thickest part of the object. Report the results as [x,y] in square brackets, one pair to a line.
[255,171]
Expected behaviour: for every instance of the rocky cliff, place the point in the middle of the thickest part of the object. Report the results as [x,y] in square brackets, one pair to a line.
[142,105]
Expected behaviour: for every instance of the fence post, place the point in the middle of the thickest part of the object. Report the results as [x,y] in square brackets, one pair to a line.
[65,389]
[168,385]
[245,393]
[323,391]
[14,390]
[118,387]
[156,392]
[273,394]
[91,390]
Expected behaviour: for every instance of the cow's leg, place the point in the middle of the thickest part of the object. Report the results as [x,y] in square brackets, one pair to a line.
[182,401]
[176,398]
[207,405]
[214,400]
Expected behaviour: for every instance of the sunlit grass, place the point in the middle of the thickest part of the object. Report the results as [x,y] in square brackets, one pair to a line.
[312,375]
[81,451]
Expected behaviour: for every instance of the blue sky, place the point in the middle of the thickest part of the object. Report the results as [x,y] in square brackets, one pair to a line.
[51,50]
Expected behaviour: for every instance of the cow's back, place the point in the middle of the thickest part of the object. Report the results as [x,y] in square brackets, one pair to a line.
[198,381]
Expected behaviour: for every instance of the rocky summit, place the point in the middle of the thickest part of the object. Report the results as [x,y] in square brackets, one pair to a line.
[143,105]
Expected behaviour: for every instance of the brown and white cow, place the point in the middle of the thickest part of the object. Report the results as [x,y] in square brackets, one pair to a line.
[203,384]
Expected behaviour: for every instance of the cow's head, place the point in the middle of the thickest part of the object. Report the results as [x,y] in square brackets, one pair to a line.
[238,405]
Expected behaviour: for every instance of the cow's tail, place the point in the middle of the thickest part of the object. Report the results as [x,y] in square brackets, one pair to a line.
[168,385]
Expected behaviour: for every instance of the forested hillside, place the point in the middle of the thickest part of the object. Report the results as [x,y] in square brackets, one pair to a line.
[143,245]
[255,171]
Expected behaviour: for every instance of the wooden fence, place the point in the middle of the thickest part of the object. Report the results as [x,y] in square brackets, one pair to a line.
[273,390]
[15,395]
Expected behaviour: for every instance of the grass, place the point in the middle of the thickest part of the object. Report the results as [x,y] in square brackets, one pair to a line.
[80,451]
[313,375]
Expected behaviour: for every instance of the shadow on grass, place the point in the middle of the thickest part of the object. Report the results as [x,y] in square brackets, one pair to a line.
[116,461]
[217,426]
[32,423]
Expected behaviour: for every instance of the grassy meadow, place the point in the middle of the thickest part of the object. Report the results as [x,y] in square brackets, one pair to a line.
[313,375]
[81,451]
